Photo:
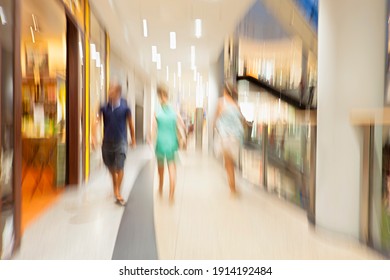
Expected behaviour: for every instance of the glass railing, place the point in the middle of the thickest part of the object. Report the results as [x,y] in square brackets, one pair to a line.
[375,180]
[279,145]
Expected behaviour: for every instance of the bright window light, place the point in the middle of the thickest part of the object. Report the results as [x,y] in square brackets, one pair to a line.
[172,43]
[154,53]
[145,26]
[198,28]
[192,57]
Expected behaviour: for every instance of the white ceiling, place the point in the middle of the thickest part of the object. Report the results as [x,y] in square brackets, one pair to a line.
[123,20]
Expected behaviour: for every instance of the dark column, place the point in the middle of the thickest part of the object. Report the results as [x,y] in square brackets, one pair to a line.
[17,168]
[72,104]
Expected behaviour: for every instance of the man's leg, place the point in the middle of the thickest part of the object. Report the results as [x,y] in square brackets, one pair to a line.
[114,179]
[119,166]
[119,180]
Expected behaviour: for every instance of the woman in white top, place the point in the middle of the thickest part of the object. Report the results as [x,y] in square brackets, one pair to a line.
[228,123]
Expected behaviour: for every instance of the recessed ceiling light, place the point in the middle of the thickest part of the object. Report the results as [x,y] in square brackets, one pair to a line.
[158,61]
[111,4]
[32,34]
[2,16]
[93,51]
[145,26]
[179,69]
[192,57]
[97,59]
[154,53]
[35,22]
[198,28]
[195,74]
[172,40]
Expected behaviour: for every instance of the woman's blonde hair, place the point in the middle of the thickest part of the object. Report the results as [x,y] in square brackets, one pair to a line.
[162,91]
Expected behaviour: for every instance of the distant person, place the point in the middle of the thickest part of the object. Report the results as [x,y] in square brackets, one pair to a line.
[311,95]
[229,125]
[301,91]
[166,129]
[116,116]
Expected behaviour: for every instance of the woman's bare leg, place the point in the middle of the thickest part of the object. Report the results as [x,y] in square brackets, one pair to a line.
[229,166]
[172,179]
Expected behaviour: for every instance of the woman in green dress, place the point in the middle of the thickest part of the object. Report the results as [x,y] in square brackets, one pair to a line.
[167,142]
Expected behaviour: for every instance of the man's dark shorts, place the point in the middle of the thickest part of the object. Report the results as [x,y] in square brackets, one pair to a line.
[114,155]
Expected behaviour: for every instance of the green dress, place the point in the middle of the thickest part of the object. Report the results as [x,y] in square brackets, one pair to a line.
[167,142]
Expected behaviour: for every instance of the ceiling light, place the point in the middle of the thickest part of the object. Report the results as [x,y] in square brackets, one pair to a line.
[2,16]
[198,28]
[192,57]
[145,25]
[32,34]
[172,43]
[154,53]
[111,4]
[93,51]
[97,59]
[167,74]
[179,69]
[158,61]
[35,22]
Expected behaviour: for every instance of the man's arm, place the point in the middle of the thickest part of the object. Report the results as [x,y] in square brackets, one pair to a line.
[132,131]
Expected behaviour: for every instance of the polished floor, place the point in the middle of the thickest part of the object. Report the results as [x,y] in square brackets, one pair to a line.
[204,222]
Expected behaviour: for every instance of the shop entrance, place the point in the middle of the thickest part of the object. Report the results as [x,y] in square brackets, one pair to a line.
[50,61]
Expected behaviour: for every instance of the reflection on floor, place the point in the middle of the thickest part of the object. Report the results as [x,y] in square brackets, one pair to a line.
[206,222]
[84,222]
[37,196]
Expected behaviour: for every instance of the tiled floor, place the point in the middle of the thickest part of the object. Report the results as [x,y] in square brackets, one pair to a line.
[84,223]
[206,222]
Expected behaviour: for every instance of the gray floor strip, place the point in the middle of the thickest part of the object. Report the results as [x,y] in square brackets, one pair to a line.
[136,238]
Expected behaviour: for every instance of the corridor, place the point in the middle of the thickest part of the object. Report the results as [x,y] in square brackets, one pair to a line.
[205,221]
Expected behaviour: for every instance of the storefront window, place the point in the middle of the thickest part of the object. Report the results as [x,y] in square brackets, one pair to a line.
[43,58]
[7,129]
[97,84]
[276,144]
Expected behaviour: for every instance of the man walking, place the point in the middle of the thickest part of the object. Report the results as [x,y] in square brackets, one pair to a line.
[116,115]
